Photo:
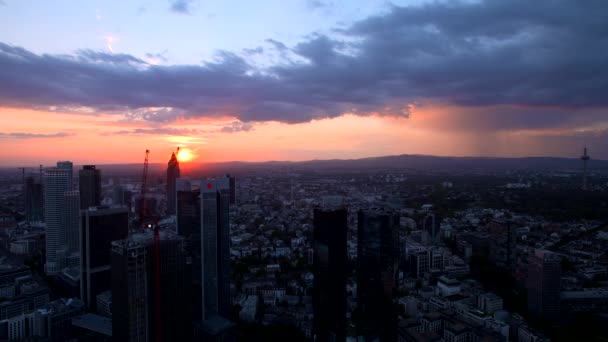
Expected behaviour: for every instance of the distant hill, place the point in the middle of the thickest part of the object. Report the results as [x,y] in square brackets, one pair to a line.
[402,162]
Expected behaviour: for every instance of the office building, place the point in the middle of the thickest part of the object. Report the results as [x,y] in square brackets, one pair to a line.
[134,310]
[503,244]
[34,208]
[232,181]
[329,269]
[56,183]
[72,217]
[99,227]
[544,276]
[215,247]
[377,267]
[188,213]
[69,169]
[172,175]
[89,181]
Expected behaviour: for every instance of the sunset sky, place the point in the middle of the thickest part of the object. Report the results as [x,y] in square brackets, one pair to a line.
[102,81]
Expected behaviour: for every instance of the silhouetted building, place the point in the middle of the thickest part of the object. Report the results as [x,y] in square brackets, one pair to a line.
[215,247]
[133,289]
[71,225]
[172,175]
[431,224]
[188,208]
[329,269]
[544,276]
[34,209]
[502,244]
[56,183]
[89,180]
[232,180]
[377,265]
[100,226]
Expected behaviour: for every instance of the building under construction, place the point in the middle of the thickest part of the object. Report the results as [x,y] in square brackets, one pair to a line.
[134,286]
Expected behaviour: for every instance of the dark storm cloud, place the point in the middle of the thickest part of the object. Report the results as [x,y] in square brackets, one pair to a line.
[181,6]
[519,54]
[34,135]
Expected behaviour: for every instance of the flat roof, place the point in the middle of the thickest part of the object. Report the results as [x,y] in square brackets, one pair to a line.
[97,323]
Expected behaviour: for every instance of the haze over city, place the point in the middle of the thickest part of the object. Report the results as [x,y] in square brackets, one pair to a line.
[100,82]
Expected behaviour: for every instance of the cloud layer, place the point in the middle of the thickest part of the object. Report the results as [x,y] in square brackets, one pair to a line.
[22,135]
[548,56]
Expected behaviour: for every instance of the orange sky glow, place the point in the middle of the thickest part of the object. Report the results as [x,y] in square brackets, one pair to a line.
[106,138]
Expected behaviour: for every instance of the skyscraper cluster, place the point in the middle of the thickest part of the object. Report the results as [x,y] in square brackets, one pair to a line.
[377,267]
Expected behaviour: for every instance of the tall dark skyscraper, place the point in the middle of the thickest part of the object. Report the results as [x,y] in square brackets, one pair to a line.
[215,247]
[377,265]
[329,268]
[232,180]
[89,181]
[34,208]
[544,277]
[188,207]
[99,227]
[133,289]
[172,175]
[56,184]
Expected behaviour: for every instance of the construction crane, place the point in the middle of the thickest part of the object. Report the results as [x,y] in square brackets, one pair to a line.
[144,181]
[146,221]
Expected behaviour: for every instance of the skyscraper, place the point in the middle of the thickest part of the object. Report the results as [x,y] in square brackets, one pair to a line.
[133,288]
[232,180]
[68,166]
[89,181]
[544,276]
[100,226]
[56,183]
[172,175]
[377,265]
[215,247]
[71,223]
[188,207]
[329,268]
[34,208]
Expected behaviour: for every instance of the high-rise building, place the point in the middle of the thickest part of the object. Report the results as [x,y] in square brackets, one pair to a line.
[56,183]
[172,175]
[68,166]
[100,226]
[503,244]
[188,208]
[89,181]
[377,267]
[34,208]
[544,276]
[134,285]
[329,269]
[232,180]
[215,247]
[72,217]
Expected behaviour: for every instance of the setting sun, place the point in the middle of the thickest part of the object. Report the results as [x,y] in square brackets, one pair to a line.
[185,155]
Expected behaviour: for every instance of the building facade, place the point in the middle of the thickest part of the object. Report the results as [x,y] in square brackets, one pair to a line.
[329,269]
[377,267]
[99,227]
[89,184]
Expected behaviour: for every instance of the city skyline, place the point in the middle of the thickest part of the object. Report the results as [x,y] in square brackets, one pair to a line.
[319,80]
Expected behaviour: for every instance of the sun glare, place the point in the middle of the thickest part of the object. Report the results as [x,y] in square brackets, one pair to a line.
[185,155]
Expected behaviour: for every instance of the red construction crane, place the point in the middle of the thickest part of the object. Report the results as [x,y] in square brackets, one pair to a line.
[144,181]
[152,222]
